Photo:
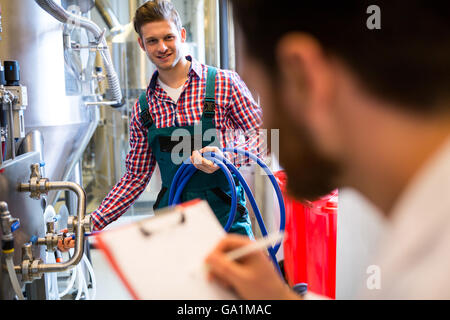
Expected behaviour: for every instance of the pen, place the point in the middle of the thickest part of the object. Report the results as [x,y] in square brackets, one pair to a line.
[259,244]
[262,243]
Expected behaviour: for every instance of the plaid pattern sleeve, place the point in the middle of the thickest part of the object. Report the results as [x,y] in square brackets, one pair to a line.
[140,164]
[247,116]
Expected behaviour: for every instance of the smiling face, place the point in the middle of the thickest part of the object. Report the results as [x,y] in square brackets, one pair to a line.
[162,41]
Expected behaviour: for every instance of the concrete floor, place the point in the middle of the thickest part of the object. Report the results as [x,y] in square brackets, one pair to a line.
[109,286]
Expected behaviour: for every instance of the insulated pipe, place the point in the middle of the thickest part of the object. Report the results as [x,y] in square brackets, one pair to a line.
[66,17]
[79,233]
[105,10]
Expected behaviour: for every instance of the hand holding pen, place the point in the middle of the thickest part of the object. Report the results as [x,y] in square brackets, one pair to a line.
[242,265]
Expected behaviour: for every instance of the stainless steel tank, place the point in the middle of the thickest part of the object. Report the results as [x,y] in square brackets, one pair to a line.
[35,39]
[55,110]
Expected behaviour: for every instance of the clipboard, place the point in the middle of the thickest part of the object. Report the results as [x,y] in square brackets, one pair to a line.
[162,257]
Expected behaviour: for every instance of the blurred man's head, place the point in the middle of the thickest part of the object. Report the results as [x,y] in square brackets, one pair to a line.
[322,73]
[161,34]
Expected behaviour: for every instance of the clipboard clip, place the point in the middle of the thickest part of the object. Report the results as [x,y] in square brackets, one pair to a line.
[146,233]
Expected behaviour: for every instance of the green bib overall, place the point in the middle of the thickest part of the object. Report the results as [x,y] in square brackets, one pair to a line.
[172,145]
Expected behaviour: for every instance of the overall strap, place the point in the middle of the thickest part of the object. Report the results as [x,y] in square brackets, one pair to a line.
[209,107]
[144,115]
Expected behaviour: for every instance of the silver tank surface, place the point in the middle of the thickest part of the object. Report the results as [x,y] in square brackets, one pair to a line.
[30,213]
[35,39]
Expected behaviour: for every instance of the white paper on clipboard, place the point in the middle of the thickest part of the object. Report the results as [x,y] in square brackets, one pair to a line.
[162,257]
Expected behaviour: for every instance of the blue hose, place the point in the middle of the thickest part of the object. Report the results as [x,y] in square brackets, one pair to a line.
[187,169]
[93,233]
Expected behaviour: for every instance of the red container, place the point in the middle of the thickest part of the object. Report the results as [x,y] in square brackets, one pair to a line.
[310,241]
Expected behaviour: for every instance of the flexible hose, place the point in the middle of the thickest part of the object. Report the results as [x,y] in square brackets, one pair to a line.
[275,185]
[272,251]
[187,169]
[80,276]
[71,283]
[13,277]
[77,274]
[85,288]
[55,291]
[92,274]
[52,278]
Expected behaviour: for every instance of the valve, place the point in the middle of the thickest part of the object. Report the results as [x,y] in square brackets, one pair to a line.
[30,270]
[37,185]
[8,225]
[51,238]
[27,253]
[88,225]
[15,225]
[29,266]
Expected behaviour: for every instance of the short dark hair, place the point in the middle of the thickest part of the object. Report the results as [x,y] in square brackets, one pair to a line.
[157,10]
[407,61]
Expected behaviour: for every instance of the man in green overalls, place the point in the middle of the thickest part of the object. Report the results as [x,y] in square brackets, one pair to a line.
[192,89]
[185,101]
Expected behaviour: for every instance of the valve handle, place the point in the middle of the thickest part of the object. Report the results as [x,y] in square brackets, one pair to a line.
[15,226]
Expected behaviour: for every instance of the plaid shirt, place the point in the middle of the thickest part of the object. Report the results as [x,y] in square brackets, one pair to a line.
[237,118]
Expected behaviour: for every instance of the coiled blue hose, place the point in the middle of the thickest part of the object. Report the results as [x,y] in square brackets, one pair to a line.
[184,174]
[187,169]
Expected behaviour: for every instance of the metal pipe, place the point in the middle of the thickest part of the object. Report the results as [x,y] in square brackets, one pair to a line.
[1,150]
[224,45]
[11,130]
[133,5]
[79,241]
[108,15]
[66,17]
[100,103]
[79,234]
[2,127]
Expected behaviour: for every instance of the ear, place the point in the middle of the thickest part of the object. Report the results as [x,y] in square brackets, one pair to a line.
[183,35]
[306,76]
[308,87]
[141,43]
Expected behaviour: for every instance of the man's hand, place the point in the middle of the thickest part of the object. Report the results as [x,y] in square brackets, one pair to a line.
[66,244]
[252,277]
[203,164]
